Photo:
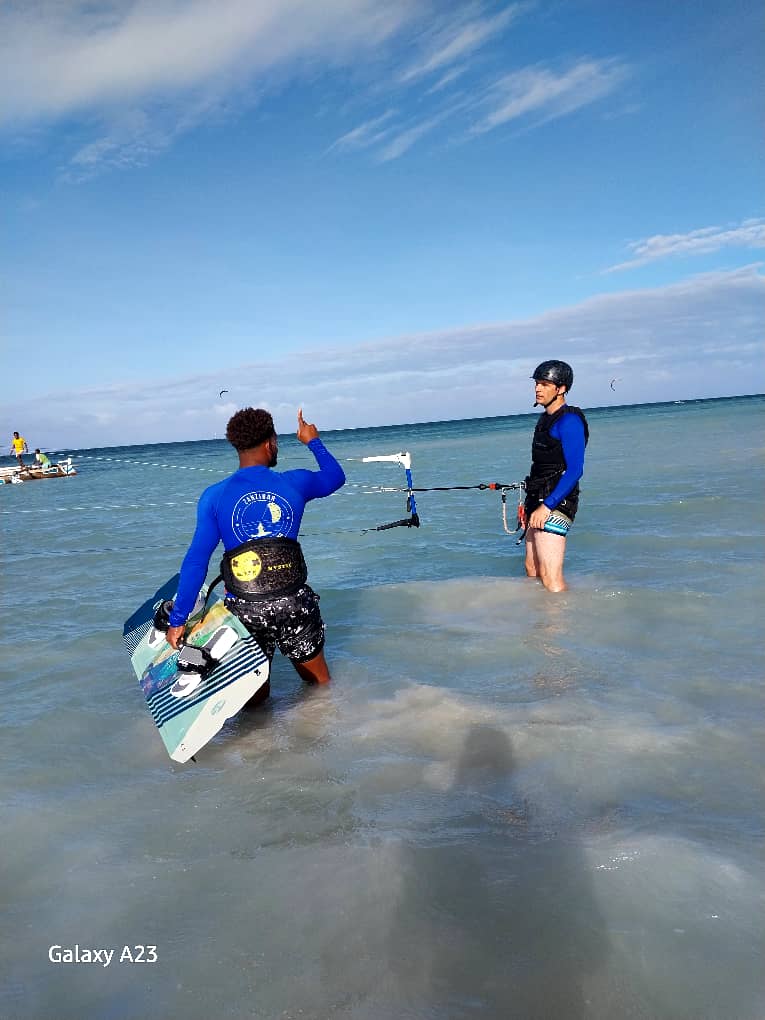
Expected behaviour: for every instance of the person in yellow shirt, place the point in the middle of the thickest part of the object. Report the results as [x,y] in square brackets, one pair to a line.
[18,447]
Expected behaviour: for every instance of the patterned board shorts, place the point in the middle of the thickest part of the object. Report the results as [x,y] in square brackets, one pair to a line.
[292,623]
[557,523]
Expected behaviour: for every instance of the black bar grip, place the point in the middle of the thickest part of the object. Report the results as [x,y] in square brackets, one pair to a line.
[407,522]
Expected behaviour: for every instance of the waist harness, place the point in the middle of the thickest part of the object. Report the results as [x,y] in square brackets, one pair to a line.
[264,568]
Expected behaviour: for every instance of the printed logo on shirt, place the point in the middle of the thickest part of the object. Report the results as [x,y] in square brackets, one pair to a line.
[261,515]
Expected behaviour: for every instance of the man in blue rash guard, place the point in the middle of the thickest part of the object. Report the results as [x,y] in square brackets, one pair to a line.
[256,513]
[557,463]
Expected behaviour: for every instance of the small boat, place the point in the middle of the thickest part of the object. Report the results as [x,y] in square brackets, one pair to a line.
[14,475]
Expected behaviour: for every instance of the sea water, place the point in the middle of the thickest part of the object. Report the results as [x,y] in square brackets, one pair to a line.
[506,804]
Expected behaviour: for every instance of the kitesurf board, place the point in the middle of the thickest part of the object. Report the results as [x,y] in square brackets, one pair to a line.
[188,716]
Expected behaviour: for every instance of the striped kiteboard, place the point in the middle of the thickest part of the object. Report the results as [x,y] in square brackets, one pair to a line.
[188,716]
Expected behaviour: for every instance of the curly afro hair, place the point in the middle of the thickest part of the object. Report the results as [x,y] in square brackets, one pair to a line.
[249,428]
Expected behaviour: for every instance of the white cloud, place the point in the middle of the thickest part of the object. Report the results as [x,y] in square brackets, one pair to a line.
[544,92]
[405,139]
[446,79]
[142,73]
[130,141]
[58,58]
[459,39]
[748,234]
[700,337]
[449,53]
[365,135]
[537,91]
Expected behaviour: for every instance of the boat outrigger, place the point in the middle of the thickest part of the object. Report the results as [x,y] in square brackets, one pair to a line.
[14,475]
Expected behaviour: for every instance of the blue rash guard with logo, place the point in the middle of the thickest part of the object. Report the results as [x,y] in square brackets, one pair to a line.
[254,502]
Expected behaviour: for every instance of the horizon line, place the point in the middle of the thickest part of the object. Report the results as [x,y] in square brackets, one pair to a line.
[433,422]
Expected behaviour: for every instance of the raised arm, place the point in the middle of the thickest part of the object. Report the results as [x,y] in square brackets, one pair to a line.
[330,476]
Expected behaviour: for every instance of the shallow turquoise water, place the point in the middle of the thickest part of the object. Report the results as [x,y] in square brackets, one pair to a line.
[504,797]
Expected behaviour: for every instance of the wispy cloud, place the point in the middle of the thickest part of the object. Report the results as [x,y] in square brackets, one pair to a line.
[140,73]
[541,91]
[538,93]
[58,58]
[365,135]
[404,140]
[459,38]
[142,69]
[131,137]
[748,234]
[699,337]
[448,78]
[130,141]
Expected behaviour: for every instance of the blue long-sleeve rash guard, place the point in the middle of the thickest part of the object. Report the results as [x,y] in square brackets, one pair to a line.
[570,431]
[255,502]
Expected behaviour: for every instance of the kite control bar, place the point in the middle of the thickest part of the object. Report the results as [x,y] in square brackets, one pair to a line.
[405,460]
[413,521]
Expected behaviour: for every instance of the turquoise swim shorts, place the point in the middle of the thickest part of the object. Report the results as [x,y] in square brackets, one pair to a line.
[557,523]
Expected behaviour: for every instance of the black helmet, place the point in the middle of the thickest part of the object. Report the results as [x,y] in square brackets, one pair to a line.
[558,372]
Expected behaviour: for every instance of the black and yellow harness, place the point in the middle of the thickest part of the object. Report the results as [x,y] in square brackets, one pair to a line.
[263,568]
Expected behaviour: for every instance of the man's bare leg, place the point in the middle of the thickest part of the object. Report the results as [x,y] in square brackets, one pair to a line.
[314,671]
[544,558]
[531,564]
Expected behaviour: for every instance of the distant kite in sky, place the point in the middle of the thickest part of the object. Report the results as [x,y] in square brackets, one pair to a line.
[612,383]
[222,392]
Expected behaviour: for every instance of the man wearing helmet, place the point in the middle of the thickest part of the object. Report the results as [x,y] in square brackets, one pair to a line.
[557,463]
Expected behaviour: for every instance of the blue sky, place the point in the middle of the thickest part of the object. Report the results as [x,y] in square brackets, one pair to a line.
[384,211]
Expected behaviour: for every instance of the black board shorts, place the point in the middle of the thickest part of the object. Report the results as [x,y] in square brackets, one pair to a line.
[291,623]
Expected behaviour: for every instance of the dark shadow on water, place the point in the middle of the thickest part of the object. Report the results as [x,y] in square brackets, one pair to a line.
[496,917]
